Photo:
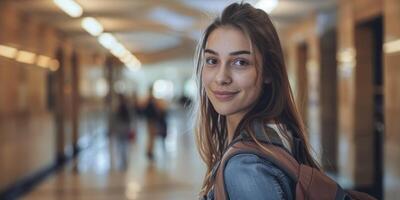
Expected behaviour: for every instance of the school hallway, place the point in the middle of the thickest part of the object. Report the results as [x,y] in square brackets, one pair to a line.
[97,173]
[73,72]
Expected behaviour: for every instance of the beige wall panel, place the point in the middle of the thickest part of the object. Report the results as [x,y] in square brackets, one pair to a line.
[9,76]
[346,92]
[35,82]
[392,101]
[23,139]
[9,20]
[9,69]
[36,86]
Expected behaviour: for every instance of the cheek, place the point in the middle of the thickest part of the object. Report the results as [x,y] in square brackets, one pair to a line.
[206,77]
[251,85]
[248,81]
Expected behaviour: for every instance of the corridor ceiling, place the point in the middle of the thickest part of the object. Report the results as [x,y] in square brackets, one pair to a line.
[154,30]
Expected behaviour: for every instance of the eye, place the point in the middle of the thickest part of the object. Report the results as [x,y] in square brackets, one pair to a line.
[240,62]
[211,61]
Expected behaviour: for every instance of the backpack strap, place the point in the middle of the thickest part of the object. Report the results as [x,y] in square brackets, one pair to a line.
[310,182]
[275,154]
[264,134]
[307,187]
[354,195]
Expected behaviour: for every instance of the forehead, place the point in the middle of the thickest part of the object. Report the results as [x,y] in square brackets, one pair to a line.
[228,39]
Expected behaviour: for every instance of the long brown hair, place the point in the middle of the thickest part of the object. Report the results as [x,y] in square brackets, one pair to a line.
[275,104]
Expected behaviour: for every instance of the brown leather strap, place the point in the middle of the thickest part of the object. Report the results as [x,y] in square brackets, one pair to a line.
[360,196]
[305,174]
[275,154]
[312,184]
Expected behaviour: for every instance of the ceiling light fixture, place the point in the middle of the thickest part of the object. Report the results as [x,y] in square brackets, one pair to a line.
[118,50]
[92,26]
[127,58]
[267,5]
[8,52]
[72,8]
[107,40]
[43,61]
[392,47]
[133,65]
[26,57]
[53,65]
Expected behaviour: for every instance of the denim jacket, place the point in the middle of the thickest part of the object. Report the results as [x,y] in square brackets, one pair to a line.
[250,177]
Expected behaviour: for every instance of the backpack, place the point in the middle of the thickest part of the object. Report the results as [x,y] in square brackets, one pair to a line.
[310,183]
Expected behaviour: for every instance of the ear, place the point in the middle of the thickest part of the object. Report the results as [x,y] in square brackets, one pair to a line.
[267,80]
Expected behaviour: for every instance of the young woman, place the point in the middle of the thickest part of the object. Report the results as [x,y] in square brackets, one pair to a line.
[243,81]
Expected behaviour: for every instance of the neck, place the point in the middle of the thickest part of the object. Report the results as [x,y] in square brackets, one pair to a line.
[232,122]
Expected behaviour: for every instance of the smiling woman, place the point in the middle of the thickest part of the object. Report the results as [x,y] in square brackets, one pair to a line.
[243,84]
[230,74]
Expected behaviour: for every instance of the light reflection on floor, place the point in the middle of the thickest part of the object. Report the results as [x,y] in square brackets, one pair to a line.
[175,174]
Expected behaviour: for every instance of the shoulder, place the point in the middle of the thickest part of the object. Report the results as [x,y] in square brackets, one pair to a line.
[248,176]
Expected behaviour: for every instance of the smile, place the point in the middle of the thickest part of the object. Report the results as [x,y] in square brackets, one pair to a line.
[224,95]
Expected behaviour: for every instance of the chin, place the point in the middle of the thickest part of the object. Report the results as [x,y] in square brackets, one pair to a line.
[223,111]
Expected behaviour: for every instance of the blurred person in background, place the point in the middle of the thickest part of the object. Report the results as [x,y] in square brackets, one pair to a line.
[156,114]
[122,130]
[243,83]
[185,101]
[162,127]
[134,114]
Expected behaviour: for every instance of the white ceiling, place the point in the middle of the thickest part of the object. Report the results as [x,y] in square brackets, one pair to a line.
[151,27]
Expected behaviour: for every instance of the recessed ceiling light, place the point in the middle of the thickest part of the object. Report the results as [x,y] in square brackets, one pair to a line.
[92,26]
[70,7]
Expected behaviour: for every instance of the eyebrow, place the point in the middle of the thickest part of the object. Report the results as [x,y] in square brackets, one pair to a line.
[232,53]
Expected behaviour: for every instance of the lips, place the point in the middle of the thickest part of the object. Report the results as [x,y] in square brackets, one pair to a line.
[222,95]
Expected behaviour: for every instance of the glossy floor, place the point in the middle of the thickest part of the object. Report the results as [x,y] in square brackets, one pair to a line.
[98,172]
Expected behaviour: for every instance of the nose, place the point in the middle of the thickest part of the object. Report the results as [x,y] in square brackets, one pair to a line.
[223,76]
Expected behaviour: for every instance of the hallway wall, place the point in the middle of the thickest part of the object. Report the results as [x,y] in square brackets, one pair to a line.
[356,140]
[351,13]
[392,98]
[27,117]
[26,125]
